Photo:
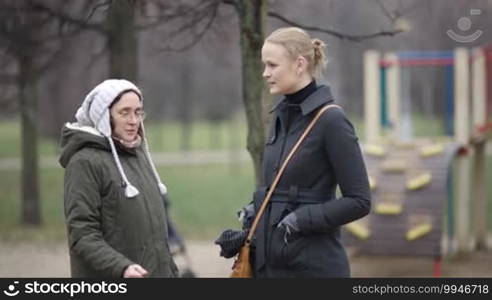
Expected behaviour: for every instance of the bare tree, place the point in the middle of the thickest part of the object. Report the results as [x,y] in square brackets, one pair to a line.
[252,27]
[115,20]
[29,42]
[122,41]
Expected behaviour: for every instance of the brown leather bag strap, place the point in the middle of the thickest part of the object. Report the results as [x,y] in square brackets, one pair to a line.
[281,171]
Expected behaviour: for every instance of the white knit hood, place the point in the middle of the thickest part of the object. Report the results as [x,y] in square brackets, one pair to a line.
[94,113]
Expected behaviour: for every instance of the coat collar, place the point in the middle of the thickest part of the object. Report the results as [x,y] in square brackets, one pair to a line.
[319,97]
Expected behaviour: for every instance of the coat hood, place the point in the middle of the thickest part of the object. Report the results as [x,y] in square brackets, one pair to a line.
[75,137]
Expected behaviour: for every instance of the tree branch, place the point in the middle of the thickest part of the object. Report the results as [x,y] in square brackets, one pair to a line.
[397,13]
[106,3]
[340,35]
[392,16]
[8,79]
[194,13]
[64,17]
[197,37]
[195,19]
[230,2]
[98,55]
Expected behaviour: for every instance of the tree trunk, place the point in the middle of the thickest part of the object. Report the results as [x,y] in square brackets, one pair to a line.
[31,214]
[122,41]
[252,22]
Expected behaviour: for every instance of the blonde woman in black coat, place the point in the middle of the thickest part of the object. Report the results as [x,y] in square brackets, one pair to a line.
[299,233]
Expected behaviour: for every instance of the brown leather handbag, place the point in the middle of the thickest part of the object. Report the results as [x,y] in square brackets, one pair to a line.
[242,265]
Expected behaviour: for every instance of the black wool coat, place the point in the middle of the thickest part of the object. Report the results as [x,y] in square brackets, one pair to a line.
[330,156]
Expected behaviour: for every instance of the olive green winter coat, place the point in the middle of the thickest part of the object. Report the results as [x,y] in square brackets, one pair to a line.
[106,230]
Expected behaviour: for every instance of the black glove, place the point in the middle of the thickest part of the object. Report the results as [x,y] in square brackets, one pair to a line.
[290,226]
[289,222]
[231,241]
[246,215]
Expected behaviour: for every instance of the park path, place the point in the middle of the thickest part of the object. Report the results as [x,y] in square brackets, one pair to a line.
[42,259]
[50,259]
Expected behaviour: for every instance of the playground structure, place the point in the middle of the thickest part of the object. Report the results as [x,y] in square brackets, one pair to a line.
[413,190]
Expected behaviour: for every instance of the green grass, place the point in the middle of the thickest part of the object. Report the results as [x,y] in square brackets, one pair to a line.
[11,142]
[427,126]
[51,188]
[166,137]
[204,200]
[422,126]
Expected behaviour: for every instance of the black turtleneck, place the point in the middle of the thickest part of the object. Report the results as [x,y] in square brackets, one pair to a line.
[294,100]
[300,95]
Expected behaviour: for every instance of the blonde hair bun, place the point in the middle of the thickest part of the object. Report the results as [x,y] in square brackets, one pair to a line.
[298,42]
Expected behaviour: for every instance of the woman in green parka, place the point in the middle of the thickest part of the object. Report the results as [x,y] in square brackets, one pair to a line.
[113,195]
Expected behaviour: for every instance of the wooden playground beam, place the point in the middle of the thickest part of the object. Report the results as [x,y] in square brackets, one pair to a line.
[462,136]
[479,96]
[372,92]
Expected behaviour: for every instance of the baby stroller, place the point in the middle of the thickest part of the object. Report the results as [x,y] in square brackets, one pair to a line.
[178,251]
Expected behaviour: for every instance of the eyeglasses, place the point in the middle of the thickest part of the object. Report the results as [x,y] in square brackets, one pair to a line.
[127,115]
